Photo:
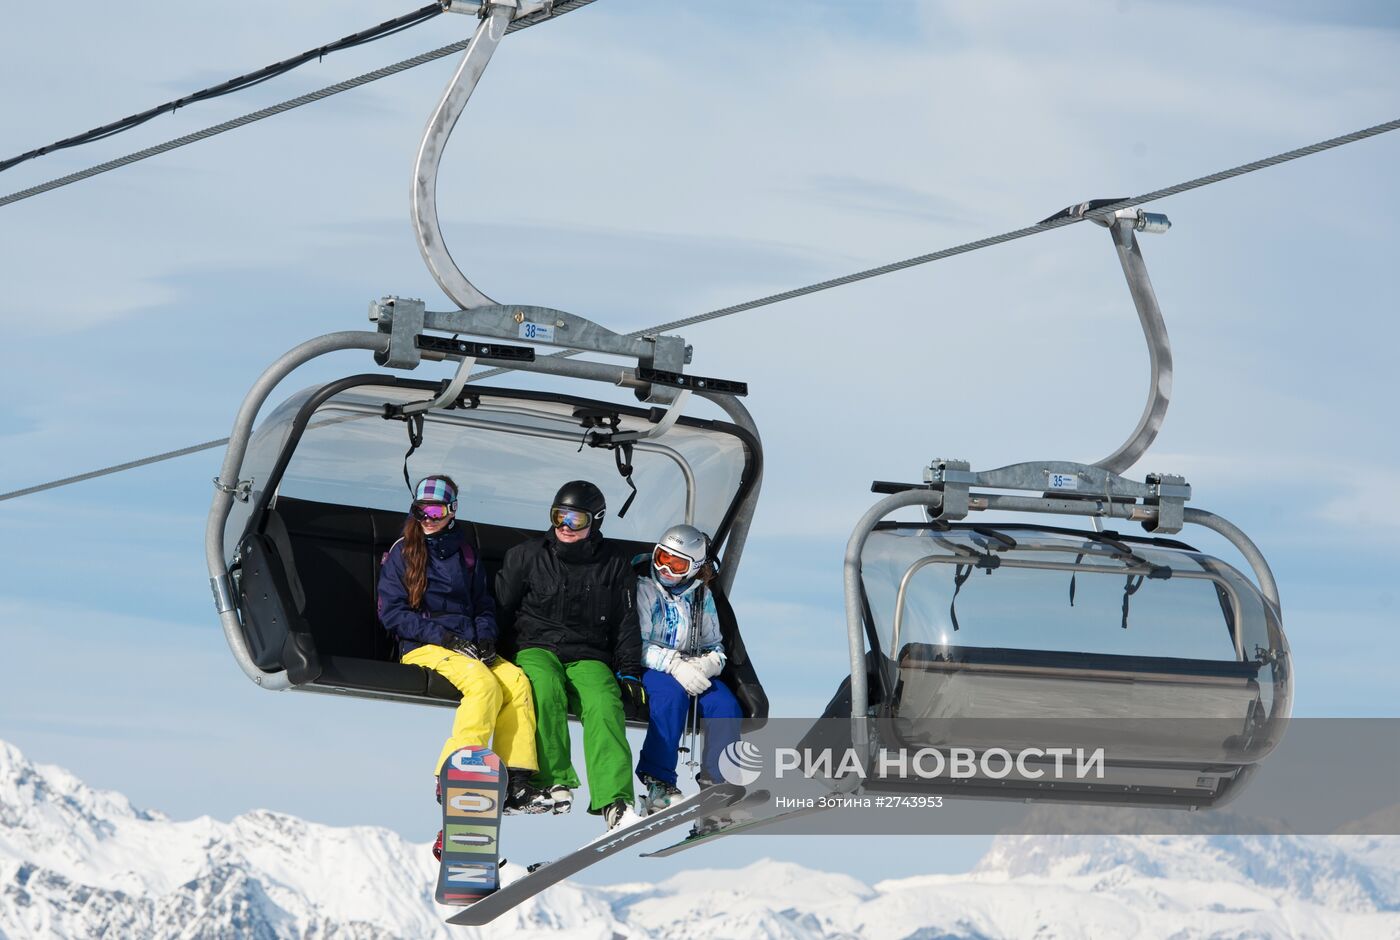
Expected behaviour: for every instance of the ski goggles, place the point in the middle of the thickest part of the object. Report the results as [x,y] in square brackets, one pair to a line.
[575,520]
[673,563]
[431,512]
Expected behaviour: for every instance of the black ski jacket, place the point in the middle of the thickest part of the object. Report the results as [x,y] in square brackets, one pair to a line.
[574,600]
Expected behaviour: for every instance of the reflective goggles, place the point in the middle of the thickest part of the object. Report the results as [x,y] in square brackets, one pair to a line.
[673,563]
[575,520]
[431,512]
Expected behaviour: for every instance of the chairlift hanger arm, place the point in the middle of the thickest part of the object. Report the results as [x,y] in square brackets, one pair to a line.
[480,315]
[495,16]
[1123,226]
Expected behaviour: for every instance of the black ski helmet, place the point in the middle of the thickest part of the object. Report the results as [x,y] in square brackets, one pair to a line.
[582,495]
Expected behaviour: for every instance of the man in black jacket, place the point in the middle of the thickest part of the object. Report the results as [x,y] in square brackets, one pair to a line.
[565,602]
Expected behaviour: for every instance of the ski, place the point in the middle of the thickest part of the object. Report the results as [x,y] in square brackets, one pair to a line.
[747,825]
[702,804]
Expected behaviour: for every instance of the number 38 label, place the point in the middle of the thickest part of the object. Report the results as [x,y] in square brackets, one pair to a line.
[538,332]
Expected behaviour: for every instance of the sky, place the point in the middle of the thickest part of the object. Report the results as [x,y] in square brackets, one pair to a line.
[637,162]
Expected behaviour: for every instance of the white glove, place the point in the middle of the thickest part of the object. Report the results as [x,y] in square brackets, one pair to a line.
[689,675]
[711,664]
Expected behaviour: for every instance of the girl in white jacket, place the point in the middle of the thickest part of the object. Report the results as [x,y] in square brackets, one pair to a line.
[684,654]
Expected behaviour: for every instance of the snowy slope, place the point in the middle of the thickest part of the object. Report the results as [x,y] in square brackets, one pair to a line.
[77,862]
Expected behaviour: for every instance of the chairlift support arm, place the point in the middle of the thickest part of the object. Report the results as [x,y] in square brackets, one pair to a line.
[1123,226]
[479,314]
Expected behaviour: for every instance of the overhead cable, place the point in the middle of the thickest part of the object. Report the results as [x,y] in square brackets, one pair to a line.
[116,468]
[561,7]
[387,28]
[1059,220]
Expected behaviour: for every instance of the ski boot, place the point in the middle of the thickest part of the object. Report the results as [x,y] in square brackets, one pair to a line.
[563,799]
[522,796]
[659,795]
[619,813]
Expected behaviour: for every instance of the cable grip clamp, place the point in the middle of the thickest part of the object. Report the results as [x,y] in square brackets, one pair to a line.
[239,491]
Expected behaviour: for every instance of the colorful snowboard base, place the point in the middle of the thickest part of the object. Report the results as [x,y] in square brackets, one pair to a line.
[473,786]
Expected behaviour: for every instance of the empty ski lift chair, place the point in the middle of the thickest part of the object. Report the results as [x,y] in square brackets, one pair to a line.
[1015,636]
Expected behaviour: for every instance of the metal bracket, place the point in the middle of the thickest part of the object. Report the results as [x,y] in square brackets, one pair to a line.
[240,490]
[223,593]
[1063,488]
[448,394]
[668,421]
[1170,493]
[954,478]
[402,318]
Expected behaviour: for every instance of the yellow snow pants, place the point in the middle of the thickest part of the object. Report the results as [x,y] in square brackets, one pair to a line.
[495,699]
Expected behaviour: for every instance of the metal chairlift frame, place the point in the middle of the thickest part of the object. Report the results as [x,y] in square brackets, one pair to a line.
[951,488]
[402,340]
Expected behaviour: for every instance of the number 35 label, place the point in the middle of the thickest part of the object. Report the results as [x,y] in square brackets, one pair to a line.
[1064,481]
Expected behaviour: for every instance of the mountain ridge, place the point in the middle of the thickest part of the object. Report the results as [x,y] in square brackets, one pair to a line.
[76,861]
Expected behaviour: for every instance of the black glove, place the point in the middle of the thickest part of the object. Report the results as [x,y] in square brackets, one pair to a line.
[486,651]
[483,650]
[633,691]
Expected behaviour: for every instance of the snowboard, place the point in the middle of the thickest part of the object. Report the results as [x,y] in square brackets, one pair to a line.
[473,791]
[705,803]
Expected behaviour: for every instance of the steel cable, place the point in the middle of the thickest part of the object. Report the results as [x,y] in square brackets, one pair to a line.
[560,8]
[1048,225]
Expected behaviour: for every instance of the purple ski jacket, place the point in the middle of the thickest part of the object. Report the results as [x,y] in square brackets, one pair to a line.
[456,603]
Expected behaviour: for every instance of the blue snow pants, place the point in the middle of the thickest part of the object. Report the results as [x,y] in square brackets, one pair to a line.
[670,707]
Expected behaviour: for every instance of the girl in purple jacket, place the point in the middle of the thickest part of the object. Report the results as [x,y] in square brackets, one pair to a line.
[433,598]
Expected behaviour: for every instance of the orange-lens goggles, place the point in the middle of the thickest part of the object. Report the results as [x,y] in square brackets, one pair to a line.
[675,563]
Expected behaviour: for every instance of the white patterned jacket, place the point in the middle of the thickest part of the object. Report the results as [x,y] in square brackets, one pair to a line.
[667,624]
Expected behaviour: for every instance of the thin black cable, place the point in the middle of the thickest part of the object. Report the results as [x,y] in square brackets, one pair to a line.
[387,28]
[1058,221]
[560,8]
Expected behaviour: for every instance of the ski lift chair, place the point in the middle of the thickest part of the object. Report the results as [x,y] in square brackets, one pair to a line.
[305,509]
[1020,636]
[326,499]
[991,636]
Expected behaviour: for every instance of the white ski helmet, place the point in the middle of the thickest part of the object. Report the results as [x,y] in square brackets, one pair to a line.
[679,555]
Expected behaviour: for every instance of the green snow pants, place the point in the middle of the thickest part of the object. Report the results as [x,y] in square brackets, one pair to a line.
[588,689]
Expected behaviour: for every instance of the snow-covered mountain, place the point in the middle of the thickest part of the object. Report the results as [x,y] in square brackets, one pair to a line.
[79,862]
